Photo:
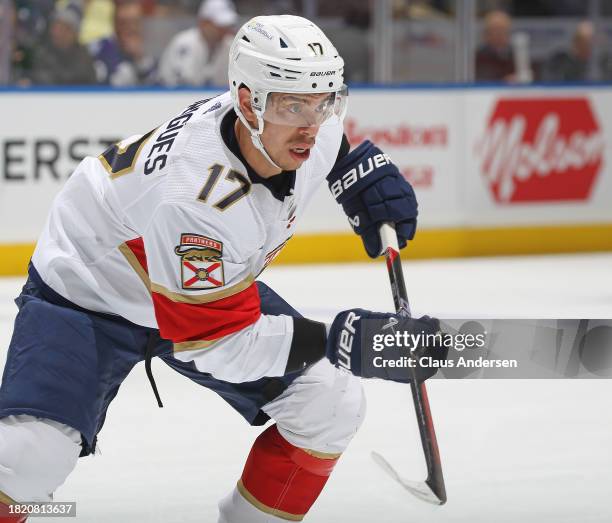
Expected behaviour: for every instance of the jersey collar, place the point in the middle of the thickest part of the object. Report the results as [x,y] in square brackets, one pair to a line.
[280,185]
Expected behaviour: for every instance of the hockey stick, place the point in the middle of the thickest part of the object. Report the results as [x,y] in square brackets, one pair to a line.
[432,489]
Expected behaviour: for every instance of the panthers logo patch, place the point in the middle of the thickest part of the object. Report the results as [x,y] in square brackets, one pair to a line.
[201,263]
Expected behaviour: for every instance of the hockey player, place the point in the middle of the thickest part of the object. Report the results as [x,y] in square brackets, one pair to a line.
[152,249]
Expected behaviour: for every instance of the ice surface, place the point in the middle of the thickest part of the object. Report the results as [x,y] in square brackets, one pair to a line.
[513,450]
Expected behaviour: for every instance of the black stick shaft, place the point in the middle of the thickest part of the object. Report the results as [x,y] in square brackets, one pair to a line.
[435,478]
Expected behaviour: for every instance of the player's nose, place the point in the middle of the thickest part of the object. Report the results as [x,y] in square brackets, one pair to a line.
[309,131]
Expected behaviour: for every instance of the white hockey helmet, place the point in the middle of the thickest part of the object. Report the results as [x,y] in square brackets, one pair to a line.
[286,54]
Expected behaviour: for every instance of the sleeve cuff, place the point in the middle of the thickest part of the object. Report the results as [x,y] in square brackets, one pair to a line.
[307,345]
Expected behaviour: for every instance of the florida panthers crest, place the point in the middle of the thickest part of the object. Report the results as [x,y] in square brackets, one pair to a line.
[201,263]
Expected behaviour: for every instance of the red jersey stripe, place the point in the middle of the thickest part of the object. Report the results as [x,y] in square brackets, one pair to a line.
[133,251]
[137,247]
[181,322]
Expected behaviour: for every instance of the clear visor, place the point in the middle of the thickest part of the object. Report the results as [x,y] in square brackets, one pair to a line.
[305,110]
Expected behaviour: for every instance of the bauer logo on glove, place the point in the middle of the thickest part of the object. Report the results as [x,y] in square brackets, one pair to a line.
[372,191]
[360,171]
[354,344]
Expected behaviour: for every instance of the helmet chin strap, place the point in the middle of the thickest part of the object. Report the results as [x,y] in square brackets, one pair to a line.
[256,139]
[255,136]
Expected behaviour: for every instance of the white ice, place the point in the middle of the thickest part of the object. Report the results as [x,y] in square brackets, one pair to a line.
[513,450]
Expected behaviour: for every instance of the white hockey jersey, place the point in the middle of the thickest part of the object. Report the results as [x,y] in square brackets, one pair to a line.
[168,231]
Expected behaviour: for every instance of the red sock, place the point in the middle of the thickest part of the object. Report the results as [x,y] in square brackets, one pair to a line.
[284,480]
[5,516]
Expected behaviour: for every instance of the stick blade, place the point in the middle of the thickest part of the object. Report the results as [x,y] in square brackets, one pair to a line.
[420,489]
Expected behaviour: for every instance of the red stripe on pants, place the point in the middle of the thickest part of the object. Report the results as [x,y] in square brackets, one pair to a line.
[282,477]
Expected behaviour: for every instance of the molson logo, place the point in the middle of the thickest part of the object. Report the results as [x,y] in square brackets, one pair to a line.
[540,149]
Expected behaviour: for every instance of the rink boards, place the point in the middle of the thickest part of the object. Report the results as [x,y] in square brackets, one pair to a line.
[496,170]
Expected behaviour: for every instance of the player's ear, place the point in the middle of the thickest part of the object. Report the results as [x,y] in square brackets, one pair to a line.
[244,101]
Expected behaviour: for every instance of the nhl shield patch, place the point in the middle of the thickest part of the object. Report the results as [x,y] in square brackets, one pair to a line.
[201,263]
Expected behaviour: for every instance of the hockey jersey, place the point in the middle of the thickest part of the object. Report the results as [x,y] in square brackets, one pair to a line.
[168,230]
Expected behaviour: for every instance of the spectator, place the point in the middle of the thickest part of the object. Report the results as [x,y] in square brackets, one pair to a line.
[495,58]
[572,65]
[29,30]
[418,10]
[170,8]
[63,61]
[33,18]
[7,41]
[97,20]
[199,56]
[121,60]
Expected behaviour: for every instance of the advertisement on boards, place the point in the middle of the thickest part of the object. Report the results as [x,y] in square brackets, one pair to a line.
[538,157]
[484,157]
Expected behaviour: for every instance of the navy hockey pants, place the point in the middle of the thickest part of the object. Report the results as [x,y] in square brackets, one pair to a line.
[66,363]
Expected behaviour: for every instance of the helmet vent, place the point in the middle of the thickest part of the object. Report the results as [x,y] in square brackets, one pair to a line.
[316,48]
[283,71]
[283,43]
[294,59]
[245,38]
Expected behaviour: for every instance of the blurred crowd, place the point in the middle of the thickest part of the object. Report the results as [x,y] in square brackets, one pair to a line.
[104,42]
[498,57]
[186,42]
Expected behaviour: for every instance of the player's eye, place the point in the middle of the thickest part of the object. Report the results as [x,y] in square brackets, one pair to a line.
[295,108]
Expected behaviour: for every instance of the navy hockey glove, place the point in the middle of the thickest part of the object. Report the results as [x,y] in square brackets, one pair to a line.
[372,356]
[372,191]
